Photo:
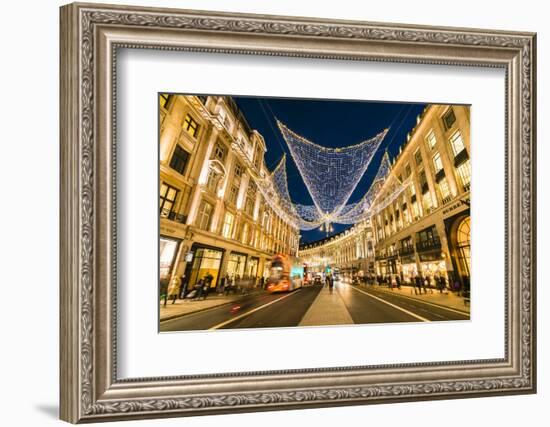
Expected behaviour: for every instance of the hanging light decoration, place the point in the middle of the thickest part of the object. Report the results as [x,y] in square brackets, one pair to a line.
[330,174]
[328,210]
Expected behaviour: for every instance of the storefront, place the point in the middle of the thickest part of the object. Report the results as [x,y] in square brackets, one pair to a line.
[409,269]
[236,265]
[252,267]
[168,248]
[206,261]
[458,234]
[432,265]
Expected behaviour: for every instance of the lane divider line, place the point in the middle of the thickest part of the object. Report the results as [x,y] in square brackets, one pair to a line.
[464,313]
[234,319]
[410,313]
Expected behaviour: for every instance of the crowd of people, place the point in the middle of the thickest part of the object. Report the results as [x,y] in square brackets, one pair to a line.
[177,287]
[421,283]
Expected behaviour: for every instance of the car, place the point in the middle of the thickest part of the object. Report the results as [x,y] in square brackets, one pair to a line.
[317,280]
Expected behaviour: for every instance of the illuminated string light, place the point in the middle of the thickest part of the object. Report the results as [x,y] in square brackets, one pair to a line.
[330,174]
[274,187]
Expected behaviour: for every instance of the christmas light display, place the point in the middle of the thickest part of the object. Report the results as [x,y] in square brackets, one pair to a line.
[274,186]
[360,210]
[330,174]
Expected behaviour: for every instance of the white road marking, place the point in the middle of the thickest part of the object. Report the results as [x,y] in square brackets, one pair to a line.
[464,313]
[410,313]
[234,319]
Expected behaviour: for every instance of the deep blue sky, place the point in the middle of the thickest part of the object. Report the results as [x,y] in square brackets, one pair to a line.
[331,124]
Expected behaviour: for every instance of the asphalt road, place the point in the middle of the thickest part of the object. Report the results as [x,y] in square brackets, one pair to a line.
[286,309]
[364,304]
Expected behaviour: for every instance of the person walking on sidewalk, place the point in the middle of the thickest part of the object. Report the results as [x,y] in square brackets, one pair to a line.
[174,288]
[183,285]
[206,286]
[227,285]
[198,289]
[163,291]
[418,285]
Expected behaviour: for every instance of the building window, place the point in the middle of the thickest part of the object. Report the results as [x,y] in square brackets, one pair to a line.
[464,172]
[212,182]
[430,139]
[407,170]
[258,159]
[227,123]
[244,236]
[463,243]
[238,170]
[415,211]
[412,190]
[423,182]
[438,163]
[168,196]
[219,153]
[418,157]
[233,193]
[179,160]
[427,202]
[457,143]
[227,228]
[428,239]
[406,218]
[205,215]
[164,98]
[191,126]
[249,206]
[444,190]
[449,119]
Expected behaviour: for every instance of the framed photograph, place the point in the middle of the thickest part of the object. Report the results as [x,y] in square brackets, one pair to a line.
[267,212]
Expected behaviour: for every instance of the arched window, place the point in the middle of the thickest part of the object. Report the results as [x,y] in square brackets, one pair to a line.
[463,245]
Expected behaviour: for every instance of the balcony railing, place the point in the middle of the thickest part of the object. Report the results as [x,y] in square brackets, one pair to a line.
[447,199]
[406,251]
[428,245]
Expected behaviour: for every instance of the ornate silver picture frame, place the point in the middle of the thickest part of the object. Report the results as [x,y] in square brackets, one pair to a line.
[91,389]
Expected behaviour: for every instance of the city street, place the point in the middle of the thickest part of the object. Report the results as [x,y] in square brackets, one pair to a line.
[318,305]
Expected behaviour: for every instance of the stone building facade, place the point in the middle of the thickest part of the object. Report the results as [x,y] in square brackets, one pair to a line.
[214,216]
[424,229]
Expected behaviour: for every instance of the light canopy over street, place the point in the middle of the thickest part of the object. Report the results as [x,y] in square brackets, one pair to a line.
[340,231]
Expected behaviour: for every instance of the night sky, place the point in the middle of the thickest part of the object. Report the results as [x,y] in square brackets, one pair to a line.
[331,124]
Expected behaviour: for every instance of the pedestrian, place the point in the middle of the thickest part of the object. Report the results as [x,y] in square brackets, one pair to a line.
[206,285]
[199,289]
[456,287]
[427,284]
[418,283]
[226,284]
[163,291]
[444,283]
[174,288]
[183,285]
[262,282]
[437,283]
[398,281]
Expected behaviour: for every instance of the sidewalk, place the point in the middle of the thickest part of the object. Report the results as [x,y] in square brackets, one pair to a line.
[188,306]
[327,309]
[450,299]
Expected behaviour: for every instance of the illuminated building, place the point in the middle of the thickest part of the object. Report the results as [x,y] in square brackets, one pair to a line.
[215,217]
[424,228]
